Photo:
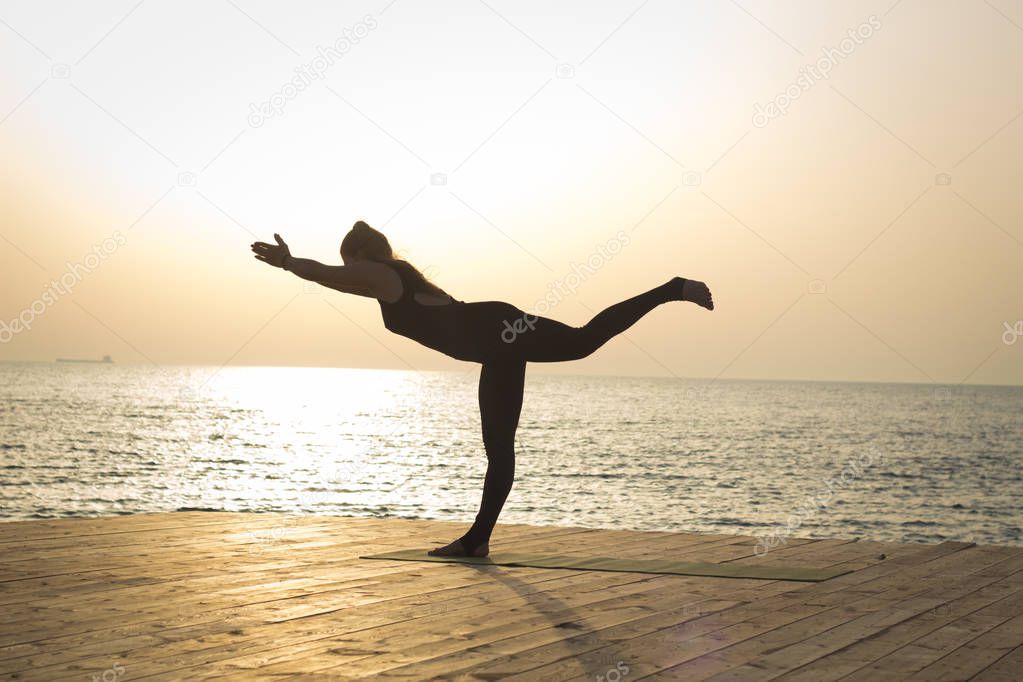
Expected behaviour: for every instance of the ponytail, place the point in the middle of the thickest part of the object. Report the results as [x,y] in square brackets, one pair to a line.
[372,245]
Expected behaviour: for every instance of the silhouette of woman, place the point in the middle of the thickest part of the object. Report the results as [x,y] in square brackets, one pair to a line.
[499,336]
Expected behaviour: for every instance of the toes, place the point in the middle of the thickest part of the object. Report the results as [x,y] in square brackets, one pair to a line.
[454,549]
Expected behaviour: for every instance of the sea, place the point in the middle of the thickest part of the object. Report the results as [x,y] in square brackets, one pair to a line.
[772,459]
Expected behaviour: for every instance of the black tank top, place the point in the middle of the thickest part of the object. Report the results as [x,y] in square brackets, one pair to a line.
[434,326]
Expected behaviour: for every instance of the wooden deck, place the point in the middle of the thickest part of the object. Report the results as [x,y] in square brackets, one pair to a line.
[254,596]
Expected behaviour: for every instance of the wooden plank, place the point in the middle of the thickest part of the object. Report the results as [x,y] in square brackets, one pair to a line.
[14,593]
[943,649]
[979,653]
[531,645]
[159,599]
[504,667]
[904,598]
[392,595]
[1006,669]
[668,538]
[773,662]
[671,643]
[863,653]
[188,595]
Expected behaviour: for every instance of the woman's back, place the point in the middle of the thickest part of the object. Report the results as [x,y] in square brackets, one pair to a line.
[432,319]
[416,287]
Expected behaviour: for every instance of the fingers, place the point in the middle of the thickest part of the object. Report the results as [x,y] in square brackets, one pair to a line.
[279,240]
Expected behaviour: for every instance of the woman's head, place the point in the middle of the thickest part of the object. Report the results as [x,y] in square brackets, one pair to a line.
[364,243]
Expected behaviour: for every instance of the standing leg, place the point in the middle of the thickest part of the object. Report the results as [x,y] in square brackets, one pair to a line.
[500,396]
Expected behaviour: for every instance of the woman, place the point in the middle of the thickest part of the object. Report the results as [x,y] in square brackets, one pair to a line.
[497,335]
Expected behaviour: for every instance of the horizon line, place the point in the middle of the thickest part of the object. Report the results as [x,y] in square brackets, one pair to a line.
[456,371]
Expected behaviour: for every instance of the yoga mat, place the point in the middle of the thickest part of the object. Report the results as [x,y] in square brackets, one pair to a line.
[668,566]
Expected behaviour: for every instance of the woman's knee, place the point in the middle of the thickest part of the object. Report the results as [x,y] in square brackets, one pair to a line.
[499,447]
[501,464]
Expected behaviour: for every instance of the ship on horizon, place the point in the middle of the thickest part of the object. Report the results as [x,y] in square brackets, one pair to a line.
[107,360]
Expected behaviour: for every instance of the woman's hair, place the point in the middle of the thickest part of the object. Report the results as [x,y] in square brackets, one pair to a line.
[362,240]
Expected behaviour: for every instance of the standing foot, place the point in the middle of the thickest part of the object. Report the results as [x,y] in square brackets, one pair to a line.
[457,549]
[694,291]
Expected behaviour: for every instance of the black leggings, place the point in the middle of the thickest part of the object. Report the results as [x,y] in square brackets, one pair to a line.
[502,378]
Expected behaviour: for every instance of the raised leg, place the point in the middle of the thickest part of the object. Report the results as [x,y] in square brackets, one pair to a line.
[546,340]
[500,397]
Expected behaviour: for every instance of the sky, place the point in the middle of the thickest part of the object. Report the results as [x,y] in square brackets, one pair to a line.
[844,176]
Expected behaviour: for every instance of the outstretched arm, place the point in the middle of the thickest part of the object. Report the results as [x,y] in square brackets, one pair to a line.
[351,279]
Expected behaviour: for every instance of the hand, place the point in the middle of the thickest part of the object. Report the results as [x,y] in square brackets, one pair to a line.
[274,254]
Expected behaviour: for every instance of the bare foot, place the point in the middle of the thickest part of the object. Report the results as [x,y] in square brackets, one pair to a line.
[456,549]
[698,293]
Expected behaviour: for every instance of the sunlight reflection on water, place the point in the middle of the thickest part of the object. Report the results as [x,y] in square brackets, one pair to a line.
[642,453]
